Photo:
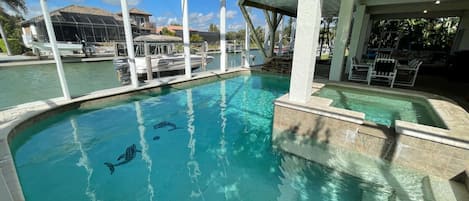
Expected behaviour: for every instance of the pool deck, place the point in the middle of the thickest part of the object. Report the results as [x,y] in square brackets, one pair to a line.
[12,119]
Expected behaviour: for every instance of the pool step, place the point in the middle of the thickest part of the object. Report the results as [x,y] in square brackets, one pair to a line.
[375,192]
[438,189]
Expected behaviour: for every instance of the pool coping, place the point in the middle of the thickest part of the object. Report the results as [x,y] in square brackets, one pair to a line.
[16,118]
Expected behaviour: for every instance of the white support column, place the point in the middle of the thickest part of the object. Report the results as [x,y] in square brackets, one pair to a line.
[365,35]
[359,21]
[185,38]
[55,50]
[266,36]
[304,58]
[129,42]
[247,47]
[463,29]
[340,44]
[223,56]
[280,37]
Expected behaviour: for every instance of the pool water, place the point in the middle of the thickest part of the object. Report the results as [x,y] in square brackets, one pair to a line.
[219,149]
[382,108]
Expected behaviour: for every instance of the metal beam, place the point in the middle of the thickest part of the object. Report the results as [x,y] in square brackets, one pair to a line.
[249,21]
[266,7]
[267,18]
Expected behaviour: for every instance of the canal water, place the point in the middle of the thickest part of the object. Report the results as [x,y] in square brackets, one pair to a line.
[22,84]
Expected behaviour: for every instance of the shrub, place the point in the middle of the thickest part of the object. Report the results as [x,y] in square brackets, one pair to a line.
[15,46]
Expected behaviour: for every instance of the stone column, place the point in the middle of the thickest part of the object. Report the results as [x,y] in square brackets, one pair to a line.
[360,24]
[304,59]
[340,44]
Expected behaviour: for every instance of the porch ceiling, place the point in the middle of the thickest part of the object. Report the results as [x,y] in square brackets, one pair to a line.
[415,8]
[382,8]
[289,7]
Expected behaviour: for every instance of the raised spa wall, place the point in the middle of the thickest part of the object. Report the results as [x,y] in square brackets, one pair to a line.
[303,129]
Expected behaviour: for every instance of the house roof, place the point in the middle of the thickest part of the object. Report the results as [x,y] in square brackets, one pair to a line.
[172,28]
[76,9]
[136,11]
[140,12]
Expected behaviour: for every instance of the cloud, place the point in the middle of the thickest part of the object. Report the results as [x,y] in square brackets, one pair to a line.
[236,27]
[201,21]
[230,14]
[118,2]
[165,21]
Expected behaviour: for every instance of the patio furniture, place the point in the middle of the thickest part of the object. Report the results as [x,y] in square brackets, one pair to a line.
[383,70]
[359,72]
[407,74]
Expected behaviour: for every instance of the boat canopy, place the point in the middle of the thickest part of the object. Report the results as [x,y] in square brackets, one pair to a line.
[154,38]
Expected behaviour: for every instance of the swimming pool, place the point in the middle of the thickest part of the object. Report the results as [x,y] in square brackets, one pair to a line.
[382,108]
[209,142]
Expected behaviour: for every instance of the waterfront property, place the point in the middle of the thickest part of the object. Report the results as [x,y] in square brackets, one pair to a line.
[238,134]
[75,23]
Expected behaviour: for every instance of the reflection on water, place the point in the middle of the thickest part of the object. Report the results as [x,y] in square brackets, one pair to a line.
[83,161]
[224,152]
[144,145]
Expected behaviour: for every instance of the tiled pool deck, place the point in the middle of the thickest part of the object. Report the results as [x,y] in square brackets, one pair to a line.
[454,139]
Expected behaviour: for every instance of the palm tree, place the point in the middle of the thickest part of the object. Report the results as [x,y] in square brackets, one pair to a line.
[16,5]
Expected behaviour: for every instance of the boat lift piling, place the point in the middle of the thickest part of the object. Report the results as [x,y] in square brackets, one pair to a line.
[204,56]
[146,48]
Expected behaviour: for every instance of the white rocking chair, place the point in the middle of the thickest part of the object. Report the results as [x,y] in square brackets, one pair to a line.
[358,72]
[384,70]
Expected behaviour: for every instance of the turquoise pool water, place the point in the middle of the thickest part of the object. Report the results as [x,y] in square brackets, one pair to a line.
[219,148]
[382,108]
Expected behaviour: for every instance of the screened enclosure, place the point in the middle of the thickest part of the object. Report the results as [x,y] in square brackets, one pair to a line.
[88,24]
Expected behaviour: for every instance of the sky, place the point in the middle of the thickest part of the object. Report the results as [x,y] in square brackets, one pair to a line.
[201,12]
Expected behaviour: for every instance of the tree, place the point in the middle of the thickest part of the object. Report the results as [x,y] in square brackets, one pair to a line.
[196,38]
[167,32]
[176,24]
[213,28]
[16,5]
